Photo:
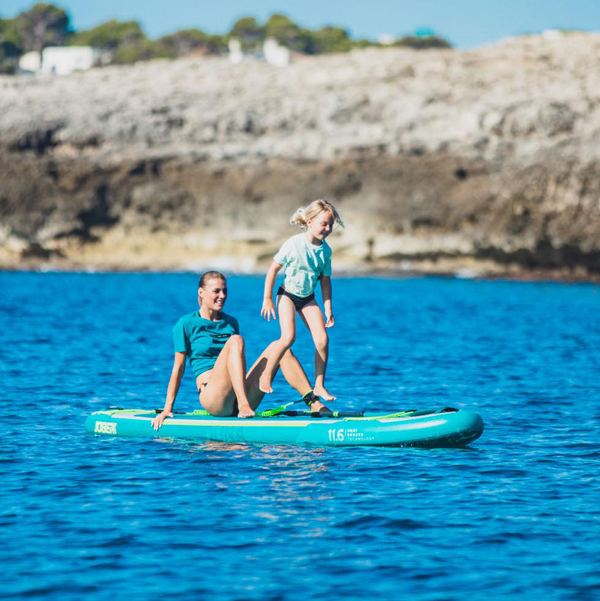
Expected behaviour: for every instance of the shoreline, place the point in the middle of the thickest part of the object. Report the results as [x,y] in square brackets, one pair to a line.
[517,275]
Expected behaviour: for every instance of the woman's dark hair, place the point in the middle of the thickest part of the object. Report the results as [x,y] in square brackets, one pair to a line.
[210,275]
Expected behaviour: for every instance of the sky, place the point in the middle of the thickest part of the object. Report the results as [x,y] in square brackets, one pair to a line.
[465,23]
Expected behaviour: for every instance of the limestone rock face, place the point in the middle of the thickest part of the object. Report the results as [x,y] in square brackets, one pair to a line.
[486,160]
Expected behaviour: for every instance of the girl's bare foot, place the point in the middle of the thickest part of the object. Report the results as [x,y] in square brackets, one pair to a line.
[313,402]
[264,384]
[322,393]
[317,406]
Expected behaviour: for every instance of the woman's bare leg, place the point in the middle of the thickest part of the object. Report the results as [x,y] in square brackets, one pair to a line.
[313,318]
[294,374]
[228,382]
[255,394]
[287,323]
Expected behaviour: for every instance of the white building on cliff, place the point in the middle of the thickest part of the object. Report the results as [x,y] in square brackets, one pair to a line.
[61,60]
[272,52]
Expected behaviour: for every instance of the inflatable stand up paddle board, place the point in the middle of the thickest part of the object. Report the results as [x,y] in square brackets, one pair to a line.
[426,428]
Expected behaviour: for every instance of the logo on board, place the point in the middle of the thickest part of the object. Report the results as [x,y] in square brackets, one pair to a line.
[105,428]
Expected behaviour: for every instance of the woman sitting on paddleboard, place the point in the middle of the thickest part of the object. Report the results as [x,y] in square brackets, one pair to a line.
[211,340]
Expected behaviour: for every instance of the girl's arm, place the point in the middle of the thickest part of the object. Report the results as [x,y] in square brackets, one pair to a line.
[268,308]
[326,291]
[174,383]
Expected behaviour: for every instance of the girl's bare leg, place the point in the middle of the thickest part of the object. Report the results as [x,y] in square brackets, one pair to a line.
[296,377]
[287,322]
[313,318]
[228,382]
[290,368]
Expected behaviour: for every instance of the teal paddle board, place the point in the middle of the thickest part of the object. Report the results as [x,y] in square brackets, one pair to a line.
[430,428]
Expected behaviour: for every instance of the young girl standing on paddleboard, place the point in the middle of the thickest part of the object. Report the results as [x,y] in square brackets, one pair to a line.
[306,259]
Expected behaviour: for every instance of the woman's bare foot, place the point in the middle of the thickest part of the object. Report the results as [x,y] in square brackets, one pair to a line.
[264,384]
[245,411]
[322,393]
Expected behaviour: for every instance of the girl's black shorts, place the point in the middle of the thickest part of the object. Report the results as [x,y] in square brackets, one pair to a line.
[299,301]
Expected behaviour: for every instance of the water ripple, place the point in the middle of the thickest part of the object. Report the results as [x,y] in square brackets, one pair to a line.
[513,517]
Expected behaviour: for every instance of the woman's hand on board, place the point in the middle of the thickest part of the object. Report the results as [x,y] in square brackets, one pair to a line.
[268,309]
[157,422]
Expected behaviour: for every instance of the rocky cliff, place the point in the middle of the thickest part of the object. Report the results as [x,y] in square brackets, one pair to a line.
[484,161]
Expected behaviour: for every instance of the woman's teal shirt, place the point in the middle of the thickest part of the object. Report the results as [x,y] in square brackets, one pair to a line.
[202,339]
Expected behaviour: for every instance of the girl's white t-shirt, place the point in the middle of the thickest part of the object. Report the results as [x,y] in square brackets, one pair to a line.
[304,263]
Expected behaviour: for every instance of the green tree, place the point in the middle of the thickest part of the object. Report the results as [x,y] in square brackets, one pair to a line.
[139,50]
[217,44]
[11,46]
[110,35]
[186,41]
[248,31]
[363,44]
[284,30]
[43,25]
[423,42]
[331,39]
[306,41]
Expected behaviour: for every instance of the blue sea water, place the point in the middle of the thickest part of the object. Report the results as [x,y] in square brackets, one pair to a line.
[515,516]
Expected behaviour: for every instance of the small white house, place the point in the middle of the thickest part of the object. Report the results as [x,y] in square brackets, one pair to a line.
[30,62]
[552,34]
[235,51]
[272,52]
[386,39]
[276,55]
[63,60]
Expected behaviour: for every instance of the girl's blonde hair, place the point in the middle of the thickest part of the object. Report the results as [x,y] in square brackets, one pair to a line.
[316,207]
